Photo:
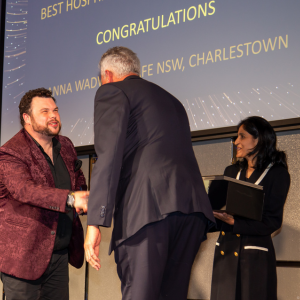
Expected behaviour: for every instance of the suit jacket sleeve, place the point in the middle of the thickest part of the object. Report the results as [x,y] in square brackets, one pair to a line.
[16,179]
[275,196]
[111,117]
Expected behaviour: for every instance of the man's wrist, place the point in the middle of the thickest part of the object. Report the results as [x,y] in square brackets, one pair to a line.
[71,199]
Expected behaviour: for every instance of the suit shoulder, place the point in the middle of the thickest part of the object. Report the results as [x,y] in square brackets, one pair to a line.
[109,90]
[136,83]
[279,171]
[143,87]
[17,143]
[145,83]
[232,170]
[109,87]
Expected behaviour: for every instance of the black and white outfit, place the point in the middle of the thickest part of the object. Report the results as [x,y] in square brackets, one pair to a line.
[245,262]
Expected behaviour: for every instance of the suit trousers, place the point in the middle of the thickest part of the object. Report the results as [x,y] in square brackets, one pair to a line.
[52,285]
[155,263]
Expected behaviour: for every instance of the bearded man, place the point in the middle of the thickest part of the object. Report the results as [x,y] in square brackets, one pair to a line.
[40,179]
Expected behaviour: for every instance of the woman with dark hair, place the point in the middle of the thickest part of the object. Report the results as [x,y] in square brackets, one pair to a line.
[245,261]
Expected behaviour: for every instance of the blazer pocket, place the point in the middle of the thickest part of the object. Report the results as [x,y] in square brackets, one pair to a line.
[256,248]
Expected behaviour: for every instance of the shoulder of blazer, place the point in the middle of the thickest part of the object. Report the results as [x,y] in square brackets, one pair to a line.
[232,170]
[278,171]
[133,79]
[20,144]
[108,88]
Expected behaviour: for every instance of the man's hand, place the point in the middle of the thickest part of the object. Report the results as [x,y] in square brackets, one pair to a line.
[81,201]
[91,246]
[224,217]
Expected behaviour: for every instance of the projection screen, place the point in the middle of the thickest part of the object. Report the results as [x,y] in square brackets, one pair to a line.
[224,60]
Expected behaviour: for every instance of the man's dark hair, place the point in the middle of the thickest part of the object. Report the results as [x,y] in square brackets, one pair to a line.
[25,103]
[266,149]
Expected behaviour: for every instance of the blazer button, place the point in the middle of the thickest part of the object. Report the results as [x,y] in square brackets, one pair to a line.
[223,233]
[222,252]
[238,235]
[236,254]
[52,232]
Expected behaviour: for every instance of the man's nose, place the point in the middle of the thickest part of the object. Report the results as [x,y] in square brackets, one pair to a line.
[52,115]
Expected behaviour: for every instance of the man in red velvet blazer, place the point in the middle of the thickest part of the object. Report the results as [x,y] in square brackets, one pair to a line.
[40,231]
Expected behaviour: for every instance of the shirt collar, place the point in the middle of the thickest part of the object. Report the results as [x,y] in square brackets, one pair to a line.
[55,142]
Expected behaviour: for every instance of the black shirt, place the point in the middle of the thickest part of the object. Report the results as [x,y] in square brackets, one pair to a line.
[62,180]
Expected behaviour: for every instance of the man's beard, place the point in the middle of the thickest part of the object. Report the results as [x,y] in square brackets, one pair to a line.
[44,129]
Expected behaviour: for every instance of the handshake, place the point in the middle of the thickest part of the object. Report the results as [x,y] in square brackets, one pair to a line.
[78,200]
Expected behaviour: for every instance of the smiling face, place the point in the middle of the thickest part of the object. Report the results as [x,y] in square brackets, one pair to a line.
[245,143]
[43,119]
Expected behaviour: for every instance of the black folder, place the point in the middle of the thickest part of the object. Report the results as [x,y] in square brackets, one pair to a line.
[235,197]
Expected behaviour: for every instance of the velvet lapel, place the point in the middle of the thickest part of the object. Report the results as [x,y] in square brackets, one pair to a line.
[69,162]
[37,153]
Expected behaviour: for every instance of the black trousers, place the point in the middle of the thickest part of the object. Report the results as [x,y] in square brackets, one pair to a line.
[53,285]
[155,263]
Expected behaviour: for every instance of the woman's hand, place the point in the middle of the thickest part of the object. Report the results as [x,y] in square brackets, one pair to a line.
[224,217]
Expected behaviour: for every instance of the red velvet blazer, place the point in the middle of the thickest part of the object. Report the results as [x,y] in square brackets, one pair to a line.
[30,206]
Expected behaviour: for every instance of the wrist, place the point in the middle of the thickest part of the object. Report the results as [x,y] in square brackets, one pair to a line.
[71,199]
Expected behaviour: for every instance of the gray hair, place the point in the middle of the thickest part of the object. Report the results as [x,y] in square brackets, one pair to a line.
[121,61]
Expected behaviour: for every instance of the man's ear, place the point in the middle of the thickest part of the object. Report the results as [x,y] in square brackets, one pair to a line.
[109,76]
[26,119]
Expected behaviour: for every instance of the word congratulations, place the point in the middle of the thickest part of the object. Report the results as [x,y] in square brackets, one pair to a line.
[176,17]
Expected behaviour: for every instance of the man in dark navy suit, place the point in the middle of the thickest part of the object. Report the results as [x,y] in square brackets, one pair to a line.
[147,177]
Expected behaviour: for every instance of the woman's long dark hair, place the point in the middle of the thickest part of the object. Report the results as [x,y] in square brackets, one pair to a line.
[265,150]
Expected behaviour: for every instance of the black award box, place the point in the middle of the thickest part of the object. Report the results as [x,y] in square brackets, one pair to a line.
[235,197]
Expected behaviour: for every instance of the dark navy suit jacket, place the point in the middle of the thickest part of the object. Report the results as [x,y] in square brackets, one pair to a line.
[146,166]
